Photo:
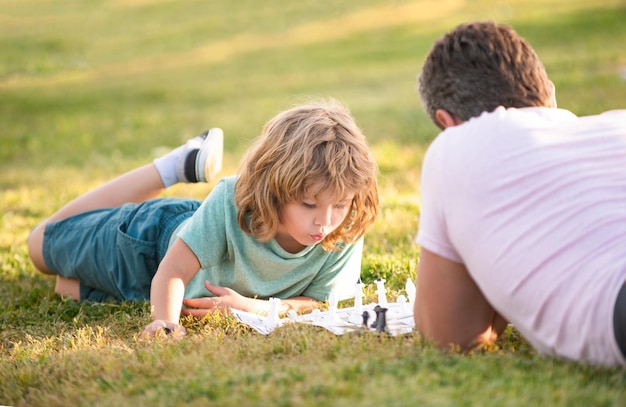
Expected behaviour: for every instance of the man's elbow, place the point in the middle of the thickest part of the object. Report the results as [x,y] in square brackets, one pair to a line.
[457,340]
[457,345]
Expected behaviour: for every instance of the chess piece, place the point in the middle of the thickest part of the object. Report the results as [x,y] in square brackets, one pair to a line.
[381,320]
[410,290]
[358,296]
[332,306]
[366,316]
[403,305]
[272,316]
[380,290]
[377,311]
[356,314]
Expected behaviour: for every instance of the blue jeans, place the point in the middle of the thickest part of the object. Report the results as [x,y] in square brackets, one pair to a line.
[115,252]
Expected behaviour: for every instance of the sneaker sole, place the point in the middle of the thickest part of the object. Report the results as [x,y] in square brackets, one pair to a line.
[209,159]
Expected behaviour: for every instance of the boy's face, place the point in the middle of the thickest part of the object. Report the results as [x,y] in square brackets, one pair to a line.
[310,220]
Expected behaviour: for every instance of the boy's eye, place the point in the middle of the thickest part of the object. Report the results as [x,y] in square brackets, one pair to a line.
[344,204]
[308,205]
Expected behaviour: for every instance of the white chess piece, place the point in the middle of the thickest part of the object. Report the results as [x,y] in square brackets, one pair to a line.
[380,290]
[358,297]
[403,305]
[272,316]
[356,315]
[332,306]
[410,290]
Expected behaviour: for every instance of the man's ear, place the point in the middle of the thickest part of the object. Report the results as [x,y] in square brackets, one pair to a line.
[446,119]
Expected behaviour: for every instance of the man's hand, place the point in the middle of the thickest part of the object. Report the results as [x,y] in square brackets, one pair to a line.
[224,299]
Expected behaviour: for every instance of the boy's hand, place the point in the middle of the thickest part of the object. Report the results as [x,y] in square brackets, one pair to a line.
[163,328]
[224,299]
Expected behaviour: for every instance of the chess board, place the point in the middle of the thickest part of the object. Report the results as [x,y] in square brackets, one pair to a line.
[392,318]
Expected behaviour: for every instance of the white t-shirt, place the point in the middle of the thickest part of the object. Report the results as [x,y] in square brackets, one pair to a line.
[533,202]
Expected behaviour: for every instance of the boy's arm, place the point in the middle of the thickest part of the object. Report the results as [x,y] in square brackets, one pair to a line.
[450,308]
[167,291]
[226,298]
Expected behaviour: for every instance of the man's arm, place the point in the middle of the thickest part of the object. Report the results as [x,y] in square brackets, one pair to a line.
[450,308]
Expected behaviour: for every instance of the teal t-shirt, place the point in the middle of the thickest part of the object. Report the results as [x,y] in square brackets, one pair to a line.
[231,258]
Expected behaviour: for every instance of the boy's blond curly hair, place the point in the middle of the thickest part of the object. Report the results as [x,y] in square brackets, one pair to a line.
[302,151]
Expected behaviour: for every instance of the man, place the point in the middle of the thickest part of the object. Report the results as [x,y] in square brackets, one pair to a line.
[523,215]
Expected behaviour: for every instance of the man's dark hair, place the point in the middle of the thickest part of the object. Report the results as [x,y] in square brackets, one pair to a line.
[479,66]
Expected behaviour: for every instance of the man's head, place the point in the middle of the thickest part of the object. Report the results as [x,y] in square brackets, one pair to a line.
[479,66]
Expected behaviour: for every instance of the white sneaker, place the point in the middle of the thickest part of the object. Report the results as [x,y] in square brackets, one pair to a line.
[209,159]
[202,159]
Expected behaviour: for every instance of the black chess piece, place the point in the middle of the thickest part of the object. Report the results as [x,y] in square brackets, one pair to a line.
[366,316]
[377,311]
[381,320]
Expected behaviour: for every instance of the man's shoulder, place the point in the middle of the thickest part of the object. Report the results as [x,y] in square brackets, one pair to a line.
[513,121]
[610,115]
[526,115]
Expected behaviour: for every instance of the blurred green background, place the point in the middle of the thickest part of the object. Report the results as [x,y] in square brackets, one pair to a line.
[86,82]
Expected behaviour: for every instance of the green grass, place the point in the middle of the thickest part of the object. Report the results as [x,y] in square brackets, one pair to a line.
[91,89]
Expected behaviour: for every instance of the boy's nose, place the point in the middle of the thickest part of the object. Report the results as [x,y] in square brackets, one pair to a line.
[324,217]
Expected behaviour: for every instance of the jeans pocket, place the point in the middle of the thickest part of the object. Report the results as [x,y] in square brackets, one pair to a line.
[137,264]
